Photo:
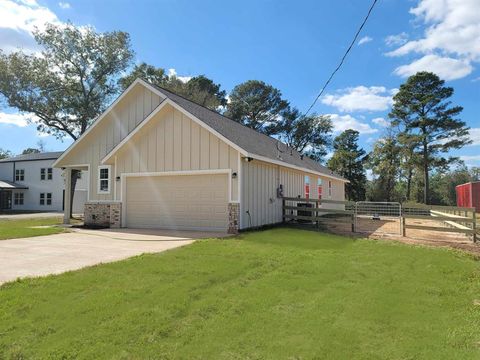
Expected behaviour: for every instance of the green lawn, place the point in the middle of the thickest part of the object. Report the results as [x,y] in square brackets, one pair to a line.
[11,229]
[276,294]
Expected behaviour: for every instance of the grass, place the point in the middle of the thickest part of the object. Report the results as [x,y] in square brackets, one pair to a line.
[19,228]
[276,294]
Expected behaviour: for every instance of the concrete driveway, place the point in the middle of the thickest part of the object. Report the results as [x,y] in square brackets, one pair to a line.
[54,254]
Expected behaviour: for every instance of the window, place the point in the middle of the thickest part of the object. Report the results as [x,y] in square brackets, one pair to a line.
[46,174]
[307,187]
[18,200]
[19,174]
[329,188]
[104,179]
[319,187]
[45,198]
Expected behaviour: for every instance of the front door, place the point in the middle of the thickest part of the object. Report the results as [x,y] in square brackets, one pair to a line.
[5,199]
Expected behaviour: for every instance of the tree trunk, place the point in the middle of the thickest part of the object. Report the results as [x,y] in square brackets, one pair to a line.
[409,183]
[426,185]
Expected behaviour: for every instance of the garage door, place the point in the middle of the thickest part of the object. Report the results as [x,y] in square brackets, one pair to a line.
[184,202]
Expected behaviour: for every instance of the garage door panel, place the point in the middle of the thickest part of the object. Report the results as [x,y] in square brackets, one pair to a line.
[178,202]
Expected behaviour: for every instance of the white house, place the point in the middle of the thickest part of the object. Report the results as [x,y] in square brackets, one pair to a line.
[158,160]
[30,183]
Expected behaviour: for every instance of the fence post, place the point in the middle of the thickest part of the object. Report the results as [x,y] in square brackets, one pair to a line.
[354,217]
[402,220]
[474,224]
[283,210]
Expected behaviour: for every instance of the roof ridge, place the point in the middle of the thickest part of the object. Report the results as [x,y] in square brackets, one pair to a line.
[226,117]
[294,154]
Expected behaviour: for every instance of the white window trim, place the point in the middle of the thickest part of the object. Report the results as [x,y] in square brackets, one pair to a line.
[19,173]
[109,180]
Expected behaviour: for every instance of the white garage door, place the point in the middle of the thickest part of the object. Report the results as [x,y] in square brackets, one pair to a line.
[184,202]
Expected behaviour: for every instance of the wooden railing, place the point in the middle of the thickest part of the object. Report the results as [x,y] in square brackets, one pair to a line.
[318,213]
[455,219]
[461,220]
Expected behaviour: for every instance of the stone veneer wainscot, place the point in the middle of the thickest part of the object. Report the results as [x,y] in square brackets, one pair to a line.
[107,214]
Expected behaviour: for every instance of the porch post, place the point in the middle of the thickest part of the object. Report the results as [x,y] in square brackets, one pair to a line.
[67,173]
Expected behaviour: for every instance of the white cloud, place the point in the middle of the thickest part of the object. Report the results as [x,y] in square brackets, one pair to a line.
[470,159]
[20,120]
[18,18]
[373,98]
[445,67]
[364,40]
[396,40]
[64,5]
[173,73]
[475,136]
[345,122]
[452,35]
[381,122]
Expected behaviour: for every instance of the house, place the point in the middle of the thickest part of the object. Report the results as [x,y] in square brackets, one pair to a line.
[30,183]
[158,160]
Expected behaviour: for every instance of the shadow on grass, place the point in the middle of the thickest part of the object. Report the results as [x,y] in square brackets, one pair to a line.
[302,239]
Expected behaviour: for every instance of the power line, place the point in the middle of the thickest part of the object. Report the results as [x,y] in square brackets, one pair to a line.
[343,58]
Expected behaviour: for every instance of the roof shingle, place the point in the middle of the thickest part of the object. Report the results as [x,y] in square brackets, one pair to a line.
[248,139]
[35,156]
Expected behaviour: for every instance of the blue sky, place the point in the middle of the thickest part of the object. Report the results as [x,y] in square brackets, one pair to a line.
[293,45]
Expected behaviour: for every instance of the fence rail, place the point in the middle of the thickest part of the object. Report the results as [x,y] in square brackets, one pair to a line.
[460,220]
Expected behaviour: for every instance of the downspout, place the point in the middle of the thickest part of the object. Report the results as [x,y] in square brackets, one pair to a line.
[13,174]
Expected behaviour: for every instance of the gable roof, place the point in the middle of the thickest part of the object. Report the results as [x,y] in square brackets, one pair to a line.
[251,141]
[247,141]
[34,156]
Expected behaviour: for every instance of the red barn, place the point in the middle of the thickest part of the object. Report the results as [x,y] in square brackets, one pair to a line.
[468,195]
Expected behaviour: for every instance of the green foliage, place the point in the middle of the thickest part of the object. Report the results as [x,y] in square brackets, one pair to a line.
[73,80]
[310,135]
[384,161]
[347,161]
[257,105]
[5,153]
[30,151]
[199,89]
[443,185]
[146,72]
[277,294]
[428,123]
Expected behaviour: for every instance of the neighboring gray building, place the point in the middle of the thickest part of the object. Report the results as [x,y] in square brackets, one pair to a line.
[29,182]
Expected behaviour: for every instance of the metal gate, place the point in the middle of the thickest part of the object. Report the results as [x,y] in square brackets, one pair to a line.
[378,217]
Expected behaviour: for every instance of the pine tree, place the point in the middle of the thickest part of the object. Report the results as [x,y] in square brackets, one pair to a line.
[347,161]
[428,122]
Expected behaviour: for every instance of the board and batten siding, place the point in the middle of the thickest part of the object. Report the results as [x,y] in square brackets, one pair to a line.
[171,141]
[114,127]
[260,181]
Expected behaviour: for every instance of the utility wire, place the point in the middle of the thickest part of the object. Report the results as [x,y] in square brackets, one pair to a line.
[343,58]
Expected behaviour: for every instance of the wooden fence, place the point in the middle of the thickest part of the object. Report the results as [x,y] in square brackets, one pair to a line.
[448,219]
[313,211]
[460,220]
